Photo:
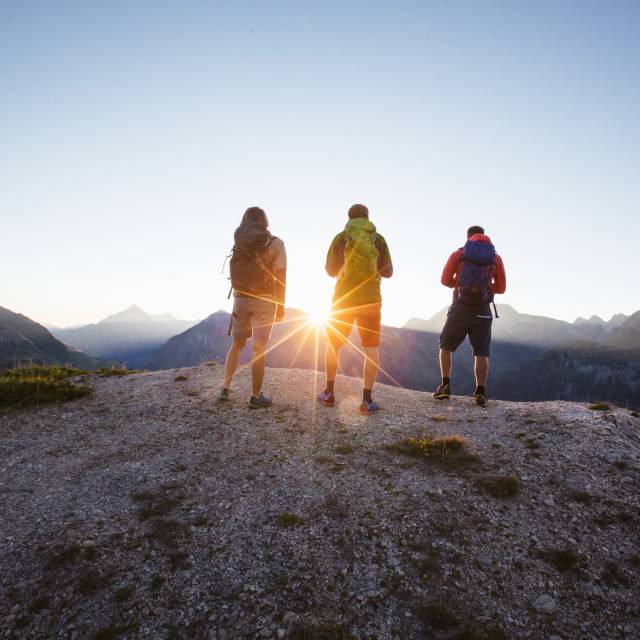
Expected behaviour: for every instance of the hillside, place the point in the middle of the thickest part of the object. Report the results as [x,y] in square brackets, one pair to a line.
[22,340]
[149,510]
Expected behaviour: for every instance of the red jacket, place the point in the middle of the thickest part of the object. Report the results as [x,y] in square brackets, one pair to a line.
[454,263]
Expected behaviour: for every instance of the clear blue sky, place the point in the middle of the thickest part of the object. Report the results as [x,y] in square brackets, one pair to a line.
[134,135]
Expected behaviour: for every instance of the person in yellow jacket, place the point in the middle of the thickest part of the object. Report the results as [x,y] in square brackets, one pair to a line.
[358,258]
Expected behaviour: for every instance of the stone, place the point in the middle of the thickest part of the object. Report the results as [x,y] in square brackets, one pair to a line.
[544,603]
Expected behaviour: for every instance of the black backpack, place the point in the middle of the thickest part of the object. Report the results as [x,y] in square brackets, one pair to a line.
[250,265]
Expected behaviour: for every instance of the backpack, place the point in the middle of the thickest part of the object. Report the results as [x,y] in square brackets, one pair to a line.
[476,274]
[361,251]
[250,265]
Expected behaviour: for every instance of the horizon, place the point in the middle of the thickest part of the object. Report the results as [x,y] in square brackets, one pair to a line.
[178,317]
[136,136]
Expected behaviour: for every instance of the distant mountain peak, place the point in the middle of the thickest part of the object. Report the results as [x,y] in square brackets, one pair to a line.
[132,314]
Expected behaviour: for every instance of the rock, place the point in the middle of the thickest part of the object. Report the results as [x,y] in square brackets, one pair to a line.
[544,603]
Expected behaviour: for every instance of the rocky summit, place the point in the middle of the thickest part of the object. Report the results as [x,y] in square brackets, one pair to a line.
[149,510]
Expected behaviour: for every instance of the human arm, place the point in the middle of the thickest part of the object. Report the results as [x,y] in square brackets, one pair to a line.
[499,284]
[335,256]
[450,272]
[281,289]
[279,266]
[385,265]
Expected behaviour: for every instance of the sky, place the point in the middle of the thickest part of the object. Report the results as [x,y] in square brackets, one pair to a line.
[134,135]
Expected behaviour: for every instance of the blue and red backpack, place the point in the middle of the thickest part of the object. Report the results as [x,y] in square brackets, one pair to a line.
[476,275]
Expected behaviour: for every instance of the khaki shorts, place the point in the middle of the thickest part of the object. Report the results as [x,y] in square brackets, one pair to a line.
[252,316]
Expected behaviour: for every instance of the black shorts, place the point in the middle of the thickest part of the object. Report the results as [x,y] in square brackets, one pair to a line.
[463,321]
[368,319]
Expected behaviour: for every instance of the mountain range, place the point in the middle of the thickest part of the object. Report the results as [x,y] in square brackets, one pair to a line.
[130,336]
[24,341]
[511,326]
[533,357]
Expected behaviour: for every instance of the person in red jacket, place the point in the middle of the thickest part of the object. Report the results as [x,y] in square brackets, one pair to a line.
[476,273]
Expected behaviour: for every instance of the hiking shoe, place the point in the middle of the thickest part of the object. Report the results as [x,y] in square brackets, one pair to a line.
[223,395]
[367,408]
[481,399]
[260,403]
[327,398]
[442,392]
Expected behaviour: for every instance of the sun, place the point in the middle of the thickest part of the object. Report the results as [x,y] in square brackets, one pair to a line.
[318,317]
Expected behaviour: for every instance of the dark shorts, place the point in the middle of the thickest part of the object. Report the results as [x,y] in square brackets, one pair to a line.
[463,321]
[368,319]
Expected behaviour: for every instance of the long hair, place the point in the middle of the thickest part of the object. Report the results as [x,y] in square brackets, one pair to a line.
[257,216]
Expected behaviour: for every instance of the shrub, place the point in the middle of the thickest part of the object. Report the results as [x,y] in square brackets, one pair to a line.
[599,406]
[180,379]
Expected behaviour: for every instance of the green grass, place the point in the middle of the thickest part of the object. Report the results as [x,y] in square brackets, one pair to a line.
[33,386]
[599,406]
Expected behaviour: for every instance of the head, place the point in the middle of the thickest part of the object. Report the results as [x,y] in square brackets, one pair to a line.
[471,231]
[257,216]
[358,211]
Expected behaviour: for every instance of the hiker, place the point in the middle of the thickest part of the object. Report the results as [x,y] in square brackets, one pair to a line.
[258,278]
[358,257]
[475,272]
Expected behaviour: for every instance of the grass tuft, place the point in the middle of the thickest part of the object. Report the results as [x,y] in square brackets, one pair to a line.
[581,496]
[286,520]
[441,448]
[599,406]
[345,449]
[180,379]
[438,418]
[500,486]
[563,559]
[122,594]
[117,372]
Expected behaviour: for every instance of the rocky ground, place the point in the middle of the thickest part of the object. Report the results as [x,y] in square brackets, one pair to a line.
[151,511]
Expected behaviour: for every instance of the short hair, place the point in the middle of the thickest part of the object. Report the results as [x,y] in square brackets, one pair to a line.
[358,211]
[257,216]
[471,231]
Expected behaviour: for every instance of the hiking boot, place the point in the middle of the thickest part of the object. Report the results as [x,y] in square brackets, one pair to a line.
[367,408]
[260,402]
[481,399]
[223,395]
[442,392]
[327,398]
